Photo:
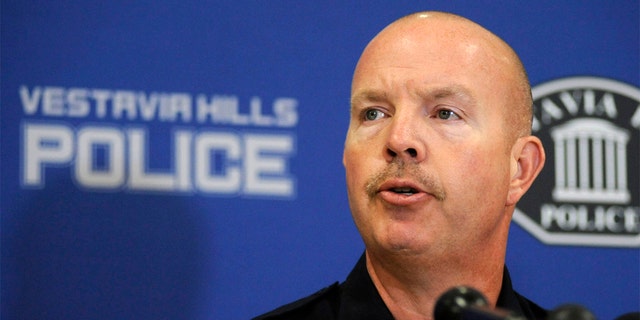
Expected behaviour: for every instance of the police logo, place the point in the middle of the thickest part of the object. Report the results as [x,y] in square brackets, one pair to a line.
[589,191]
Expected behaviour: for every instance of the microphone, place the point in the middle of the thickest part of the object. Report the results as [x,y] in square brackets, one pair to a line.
[571,312]
[465,303]
[629,316]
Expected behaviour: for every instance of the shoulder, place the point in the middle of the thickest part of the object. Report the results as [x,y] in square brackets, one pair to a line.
[320,305]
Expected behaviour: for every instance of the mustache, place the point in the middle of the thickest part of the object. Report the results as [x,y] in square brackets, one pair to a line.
[399,169]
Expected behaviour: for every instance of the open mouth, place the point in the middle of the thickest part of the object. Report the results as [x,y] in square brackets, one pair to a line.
[404,190]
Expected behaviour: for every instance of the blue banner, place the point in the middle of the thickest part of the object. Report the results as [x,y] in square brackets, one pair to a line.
[183,159]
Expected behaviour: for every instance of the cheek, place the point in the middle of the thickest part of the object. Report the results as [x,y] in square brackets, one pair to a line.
[353,167]
[355,174]
[480,177]
[360,165]
[357,152]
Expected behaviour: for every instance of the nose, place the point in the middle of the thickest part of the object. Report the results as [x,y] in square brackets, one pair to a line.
[405,139]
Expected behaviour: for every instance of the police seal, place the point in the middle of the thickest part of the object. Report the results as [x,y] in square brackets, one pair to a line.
[588,193]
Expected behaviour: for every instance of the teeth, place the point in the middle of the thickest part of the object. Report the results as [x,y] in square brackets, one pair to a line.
[405,190]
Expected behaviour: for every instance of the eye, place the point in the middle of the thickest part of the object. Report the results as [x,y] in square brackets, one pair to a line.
[373,114]
[446,114]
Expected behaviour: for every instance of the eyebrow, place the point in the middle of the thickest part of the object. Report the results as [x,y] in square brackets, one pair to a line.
[369,95]
[449,91]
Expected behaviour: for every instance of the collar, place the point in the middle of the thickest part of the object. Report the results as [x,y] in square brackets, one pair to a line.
[360,298]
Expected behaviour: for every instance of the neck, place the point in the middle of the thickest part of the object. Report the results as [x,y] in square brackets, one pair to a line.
[410,286]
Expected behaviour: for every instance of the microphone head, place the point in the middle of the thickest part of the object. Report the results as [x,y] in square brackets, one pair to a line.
[629,316]
[450,305]
[571,312]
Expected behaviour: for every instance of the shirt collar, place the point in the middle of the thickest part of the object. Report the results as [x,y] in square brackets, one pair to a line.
[360,298]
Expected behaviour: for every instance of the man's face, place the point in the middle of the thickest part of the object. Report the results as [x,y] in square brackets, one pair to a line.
[427,158]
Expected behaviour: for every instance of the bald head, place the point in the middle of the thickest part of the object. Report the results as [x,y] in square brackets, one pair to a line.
[447,39]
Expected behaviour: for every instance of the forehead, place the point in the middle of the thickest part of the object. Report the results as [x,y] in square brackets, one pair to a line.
[427,93]
[432,45]
[448,59]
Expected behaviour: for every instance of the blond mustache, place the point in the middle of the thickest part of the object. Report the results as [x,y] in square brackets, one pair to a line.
[400,169]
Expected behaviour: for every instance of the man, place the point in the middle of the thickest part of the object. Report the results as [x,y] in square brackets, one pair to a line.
[438,152]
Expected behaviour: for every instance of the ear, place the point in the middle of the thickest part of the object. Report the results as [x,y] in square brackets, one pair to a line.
[344,157]
[527,160]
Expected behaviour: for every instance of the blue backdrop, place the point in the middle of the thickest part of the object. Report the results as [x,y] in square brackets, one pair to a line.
[182,159]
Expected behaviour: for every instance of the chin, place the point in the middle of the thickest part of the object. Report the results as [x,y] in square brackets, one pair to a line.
[402,244]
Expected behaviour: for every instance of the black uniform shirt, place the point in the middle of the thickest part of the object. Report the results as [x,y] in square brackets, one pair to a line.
[358,298]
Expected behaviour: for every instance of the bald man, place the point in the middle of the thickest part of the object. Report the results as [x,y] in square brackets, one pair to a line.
[438,152]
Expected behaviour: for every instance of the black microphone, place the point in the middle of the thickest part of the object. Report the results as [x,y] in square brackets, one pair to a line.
[629,316]
[571,312]
[465,303]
